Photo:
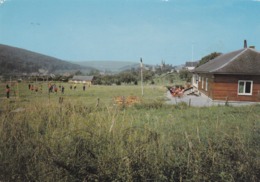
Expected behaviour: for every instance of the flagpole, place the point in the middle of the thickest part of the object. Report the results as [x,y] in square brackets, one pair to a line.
[192,52]
[142,87]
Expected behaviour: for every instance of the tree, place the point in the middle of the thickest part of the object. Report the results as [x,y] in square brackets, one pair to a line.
[148,75]
[185,75]
[208,58]
[127,77]
[78,72]
[94,72]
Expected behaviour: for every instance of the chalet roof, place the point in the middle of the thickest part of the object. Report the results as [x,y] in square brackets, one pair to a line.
[244,61]
[82,78]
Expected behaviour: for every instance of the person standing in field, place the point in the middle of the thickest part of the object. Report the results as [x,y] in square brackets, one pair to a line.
[62,89]
[84,87]
[32,87]
[36,89]
[55,88]
[7,91]
[50,88]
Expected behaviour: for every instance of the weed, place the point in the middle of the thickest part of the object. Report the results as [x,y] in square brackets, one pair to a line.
[150,141]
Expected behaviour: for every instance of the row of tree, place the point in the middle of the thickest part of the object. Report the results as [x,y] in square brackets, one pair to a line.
[133,76]
[130,76]
[126,77]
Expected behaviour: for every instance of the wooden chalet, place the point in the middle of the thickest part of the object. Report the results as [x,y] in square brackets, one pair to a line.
[234,76]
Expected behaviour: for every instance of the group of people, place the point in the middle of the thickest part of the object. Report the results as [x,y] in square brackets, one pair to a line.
[52,88]
[35,88]
[75,87]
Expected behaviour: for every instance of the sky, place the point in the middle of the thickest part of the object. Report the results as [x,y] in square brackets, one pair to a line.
[173,31]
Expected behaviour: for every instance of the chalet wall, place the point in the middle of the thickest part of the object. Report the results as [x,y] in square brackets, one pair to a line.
[226,87]
[202,84]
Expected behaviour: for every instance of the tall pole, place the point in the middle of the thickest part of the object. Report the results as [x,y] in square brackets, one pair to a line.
[142,86]
[192,52]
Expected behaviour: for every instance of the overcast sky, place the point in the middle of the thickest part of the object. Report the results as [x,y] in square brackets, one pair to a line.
[175,31]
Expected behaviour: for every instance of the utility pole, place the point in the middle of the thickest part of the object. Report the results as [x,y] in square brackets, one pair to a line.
[192,52]
[142,87]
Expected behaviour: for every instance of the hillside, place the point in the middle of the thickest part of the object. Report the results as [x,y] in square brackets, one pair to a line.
[109,66]
[18,61]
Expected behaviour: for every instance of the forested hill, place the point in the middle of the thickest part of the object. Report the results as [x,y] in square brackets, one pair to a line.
[110,66]
[17,61]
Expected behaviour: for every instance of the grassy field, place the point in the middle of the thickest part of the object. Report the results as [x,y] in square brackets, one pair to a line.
[42,139]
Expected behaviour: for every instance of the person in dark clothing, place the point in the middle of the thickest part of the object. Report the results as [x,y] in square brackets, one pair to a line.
[84,87]
[62,89]
[7,91]
[55,88]
[50,88]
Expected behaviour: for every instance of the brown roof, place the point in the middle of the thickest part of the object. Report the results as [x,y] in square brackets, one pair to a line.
[243,61]
[82,78]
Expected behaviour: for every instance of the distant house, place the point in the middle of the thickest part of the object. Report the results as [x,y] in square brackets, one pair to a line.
[82,79]
[191,65]
[234,76]
[179,68]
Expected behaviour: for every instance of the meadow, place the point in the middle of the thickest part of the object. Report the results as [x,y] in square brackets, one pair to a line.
[87,136]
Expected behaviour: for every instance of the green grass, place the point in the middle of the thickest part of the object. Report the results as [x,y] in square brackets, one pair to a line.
[150,141]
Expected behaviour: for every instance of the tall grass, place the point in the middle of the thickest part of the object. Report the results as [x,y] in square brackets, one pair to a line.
[77,141]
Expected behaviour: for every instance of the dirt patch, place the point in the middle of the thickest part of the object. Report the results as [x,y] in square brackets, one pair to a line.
[128,101]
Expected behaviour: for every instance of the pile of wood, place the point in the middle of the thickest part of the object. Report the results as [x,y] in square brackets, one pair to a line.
[178,91]
[130,100]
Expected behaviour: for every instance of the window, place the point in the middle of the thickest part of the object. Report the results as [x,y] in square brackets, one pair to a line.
[206,87]
[245,87]
[202,82]
[197,79]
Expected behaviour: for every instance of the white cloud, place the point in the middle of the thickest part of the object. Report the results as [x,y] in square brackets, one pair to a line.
[256,0]
[2,1]
[164,0]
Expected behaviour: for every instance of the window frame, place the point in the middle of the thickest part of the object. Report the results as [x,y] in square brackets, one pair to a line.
[197,79]
[202,82]
[244,87]
[207,84]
